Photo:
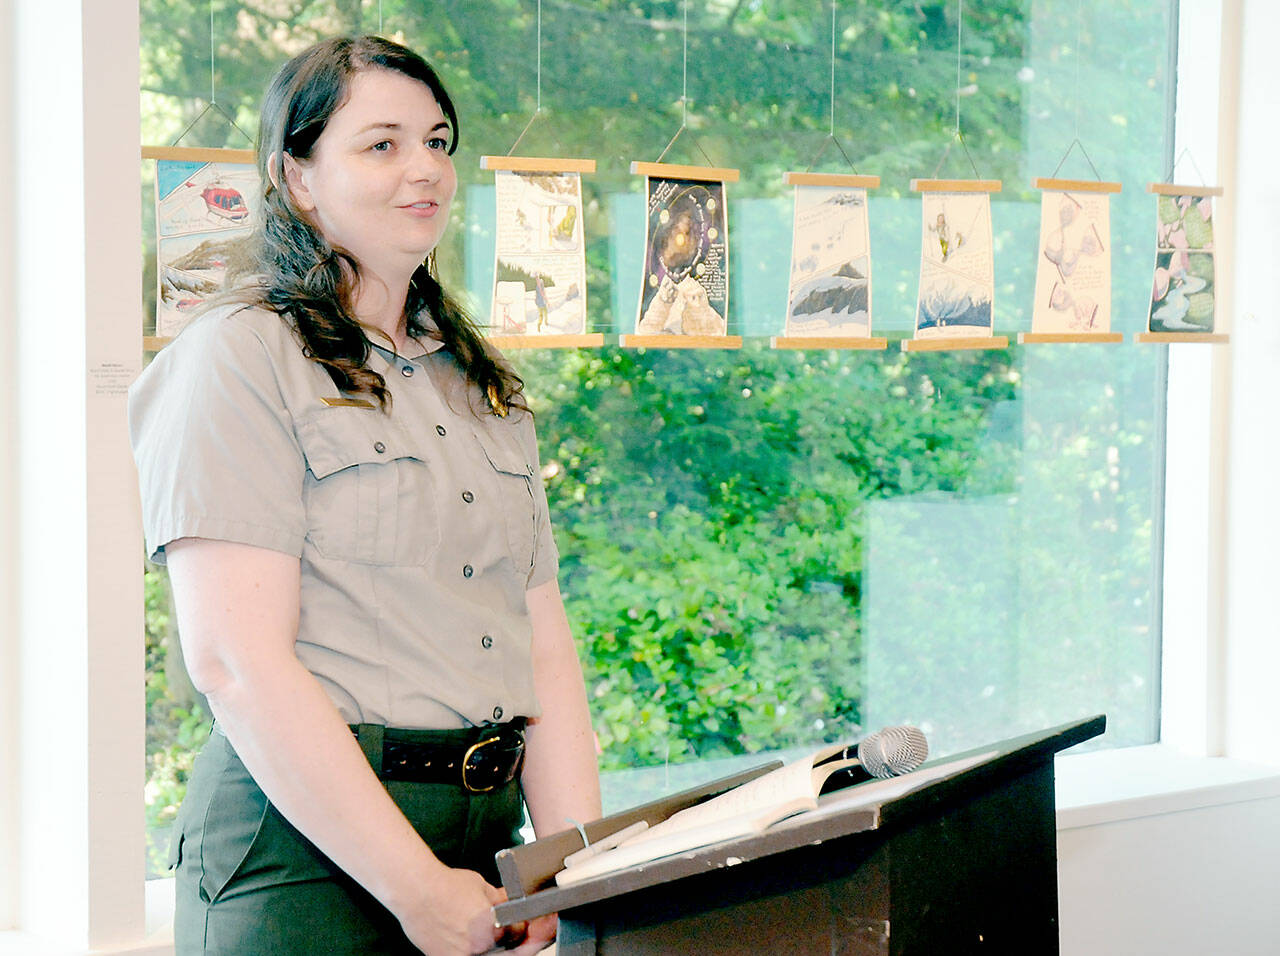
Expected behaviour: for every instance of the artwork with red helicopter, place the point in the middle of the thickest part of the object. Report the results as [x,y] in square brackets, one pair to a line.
[203,210]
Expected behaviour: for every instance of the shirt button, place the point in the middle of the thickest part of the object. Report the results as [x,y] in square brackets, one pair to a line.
[497,713]
[407,371]
[439,429]
[379,447]
[486,642]
[467,571]
[468,497]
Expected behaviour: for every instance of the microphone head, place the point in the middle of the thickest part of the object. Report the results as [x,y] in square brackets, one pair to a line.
[893,751]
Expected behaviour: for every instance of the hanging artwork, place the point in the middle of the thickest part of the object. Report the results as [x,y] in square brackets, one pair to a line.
[204,209]
[957,279]
[685,288]
[1183,295]
[830,290]
[1073,274]
[540,273]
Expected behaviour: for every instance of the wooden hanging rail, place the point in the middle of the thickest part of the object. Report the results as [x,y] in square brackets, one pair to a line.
[827,342]
[1076,185]
[538,164]
[1169,189]
[200,154]
[1166,338]
[944,343]
[509,342]
[831,179]
[672,171]
[1062,338]
[956,185]
[672,341]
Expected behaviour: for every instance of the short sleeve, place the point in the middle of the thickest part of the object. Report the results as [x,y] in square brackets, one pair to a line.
[546,557]
[214,440]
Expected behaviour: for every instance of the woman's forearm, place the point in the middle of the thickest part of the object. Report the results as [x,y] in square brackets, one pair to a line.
[561,779]
[302,754]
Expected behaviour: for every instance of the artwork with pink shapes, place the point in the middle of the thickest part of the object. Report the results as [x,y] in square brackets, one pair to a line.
[1073,277]
[1182,295]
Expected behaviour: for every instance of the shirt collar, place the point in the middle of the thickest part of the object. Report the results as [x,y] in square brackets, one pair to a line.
[423,345]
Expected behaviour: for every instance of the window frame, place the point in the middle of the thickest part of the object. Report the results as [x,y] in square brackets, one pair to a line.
[1214,640]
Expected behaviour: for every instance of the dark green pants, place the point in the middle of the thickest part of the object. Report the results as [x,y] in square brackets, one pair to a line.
[249,884]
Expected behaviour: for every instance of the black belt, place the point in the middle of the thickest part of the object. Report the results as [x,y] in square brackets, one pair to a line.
[478,759]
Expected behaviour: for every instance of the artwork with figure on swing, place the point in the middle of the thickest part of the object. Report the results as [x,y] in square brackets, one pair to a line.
[686,266]
[1182,295]
[957,280]
[1073,275]
[540,274]
[203,212]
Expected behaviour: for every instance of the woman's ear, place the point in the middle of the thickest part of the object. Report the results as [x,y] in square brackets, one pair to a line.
[295,181]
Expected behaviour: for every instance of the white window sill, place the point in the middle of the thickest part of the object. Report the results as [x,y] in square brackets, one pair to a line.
[1108,786]
[158,941]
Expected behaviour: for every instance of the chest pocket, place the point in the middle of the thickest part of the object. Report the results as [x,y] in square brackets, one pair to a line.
[369,491]
[514,475]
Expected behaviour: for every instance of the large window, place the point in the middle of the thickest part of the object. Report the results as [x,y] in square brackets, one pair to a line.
[764,549]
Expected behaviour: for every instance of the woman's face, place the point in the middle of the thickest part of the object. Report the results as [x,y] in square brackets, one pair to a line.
[379,180]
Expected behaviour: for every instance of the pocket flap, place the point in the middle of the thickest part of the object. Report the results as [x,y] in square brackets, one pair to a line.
[336,438]
[504,453]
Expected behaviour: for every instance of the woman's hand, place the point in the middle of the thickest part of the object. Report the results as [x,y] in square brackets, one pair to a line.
[456,917]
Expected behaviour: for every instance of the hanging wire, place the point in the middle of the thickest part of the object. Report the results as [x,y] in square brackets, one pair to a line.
[684,96]
[537,108]
[1076,56]
[832,130]
[957,136]
[1075,97]
[213,91]
[684,89]
[1186,152]
[959,51]
[831,134]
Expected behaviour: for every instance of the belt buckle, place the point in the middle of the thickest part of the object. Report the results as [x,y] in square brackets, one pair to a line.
[507,775]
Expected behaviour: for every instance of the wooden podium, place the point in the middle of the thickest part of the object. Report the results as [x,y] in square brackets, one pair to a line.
[965,862]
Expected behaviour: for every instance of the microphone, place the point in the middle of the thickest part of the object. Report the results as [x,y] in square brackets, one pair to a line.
[890,752]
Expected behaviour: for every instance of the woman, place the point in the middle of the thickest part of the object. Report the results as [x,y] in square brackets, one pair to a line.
[344,484]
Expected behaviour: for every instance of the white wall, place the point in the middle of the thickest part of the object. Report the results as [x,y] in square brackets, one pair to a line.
[1198,882]
[1253,542]
[8,563]
[79,722]
[1194,872]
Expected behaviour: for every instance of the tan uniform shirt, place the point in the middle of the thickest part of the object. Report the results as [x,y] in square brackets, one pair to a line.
[418,531]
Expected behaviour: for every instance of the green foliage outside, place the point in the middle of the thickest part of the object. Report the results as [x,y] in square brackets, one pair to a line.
[710,516]
[713,509]
[177,720]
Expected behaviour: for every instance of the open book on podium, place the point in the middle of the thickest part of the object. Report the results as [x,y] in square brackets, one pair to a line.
[765,798]
[736,806]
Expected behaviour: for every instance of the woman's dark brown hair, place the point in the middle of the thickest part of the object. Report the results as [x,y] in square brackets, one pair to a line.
[299,275]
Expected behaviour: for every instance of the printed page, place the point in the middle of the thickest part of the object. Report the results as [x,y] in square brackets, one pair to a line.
[957,278]
[540,273]
[784,785]
[1073,278]
[830,263]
